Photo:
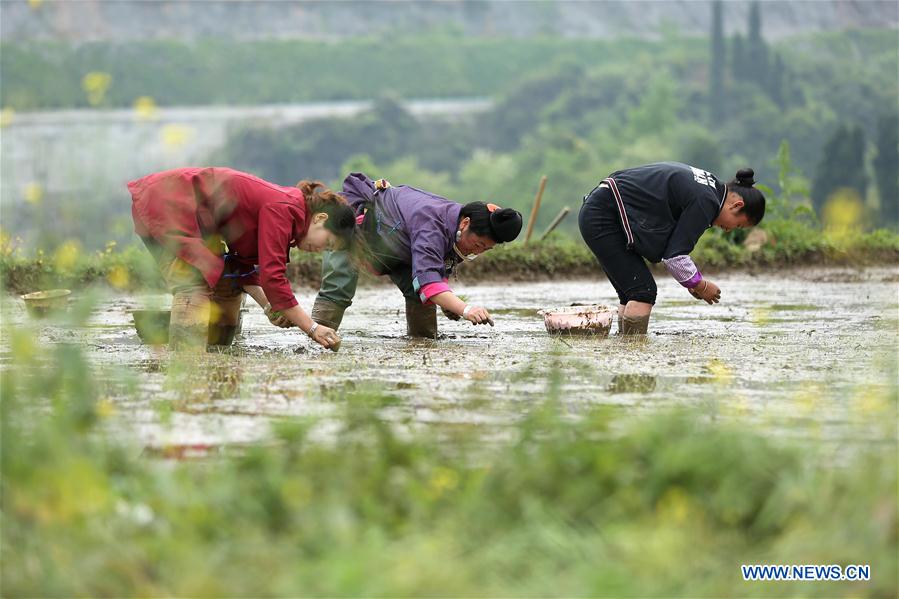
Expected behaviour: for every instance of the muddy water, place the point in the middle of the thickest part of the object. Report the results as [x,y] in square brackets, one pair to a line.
[805,354]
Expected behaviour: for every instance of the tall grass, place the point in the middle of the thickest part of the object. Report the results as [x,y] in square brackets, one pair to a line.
[599,504]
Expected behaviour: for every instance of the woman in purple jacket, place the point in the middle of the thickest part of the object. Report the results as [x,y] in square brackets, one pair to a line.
[417,239]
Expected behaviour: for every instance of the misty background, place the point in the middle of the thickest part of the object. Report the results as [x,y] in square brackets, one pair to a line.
[474,100]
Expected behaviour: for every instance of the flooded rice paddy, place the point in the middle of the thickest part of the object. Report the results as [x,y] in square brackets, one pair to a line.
[806,353]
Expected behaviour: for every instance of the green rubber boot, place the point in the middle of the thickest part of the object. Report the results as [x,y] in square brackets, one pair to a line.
[421,320]
[634,325]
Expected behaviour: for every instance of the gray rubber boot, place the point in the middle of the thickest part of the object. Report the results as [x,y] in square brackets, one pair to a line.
[327,313]
[634,325]
[421,320]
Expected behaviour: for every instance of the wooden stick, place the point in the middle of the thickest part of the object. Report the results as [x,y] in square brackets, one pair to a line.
[535,209]
[556,221]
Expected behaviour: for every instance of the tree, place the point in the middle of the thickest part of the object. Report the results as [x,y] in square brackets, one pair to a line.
[757,50]
[702,148]
[519,111]
[842,165]
[658,108]
[716,74]
[886,167]
[776,81]
[737,58]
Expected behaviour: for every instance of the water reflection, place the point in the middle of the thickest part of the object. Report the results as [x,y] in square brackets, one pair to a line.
[632,383]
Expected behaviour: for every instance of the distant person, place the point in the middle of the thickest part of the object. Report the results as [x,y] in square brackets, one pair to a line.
[658,212]
[417,239]
[217,233]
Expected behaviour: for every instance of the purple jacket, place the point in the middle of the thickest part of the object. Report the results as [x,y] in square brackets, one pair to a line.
[420,227]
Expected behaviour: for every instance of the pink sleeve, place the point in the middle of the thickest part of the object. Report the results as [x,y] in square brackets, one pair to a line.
[683,270]
[432,289]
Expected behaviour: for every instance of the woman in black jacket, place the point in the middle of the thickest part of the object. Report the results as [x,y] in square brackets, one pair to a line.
[657,212]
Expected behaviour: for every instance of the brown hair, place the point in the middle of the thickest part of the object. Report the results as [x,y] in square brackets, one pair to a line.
[341,218]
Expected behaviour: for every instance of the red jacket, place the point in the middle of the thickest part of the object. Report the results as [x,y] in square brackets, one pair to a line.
[188,210]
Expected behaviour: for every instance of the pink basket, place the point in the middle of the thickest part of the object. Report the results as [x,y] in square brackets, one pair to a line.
[579,320]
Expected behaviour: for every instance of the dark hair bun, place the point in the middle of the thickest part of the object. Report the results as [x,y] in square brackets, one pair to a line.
[505,224]
[745,178]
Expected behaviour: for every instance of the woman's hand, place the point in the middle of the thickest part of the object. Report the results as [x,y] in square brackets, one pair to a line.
[451,304]
[477,315]
[450,314]
[706,291]
[277,318]
[325,336]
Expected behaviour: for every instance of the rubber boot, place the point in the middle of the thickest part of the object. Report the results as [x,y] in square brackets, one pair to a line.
[327,313]
[189,322]
[421,320]
[224,318]
[634,325]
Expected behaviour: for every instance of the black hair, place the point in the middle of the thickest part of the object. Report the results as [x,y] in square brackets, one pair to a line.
[341,217]
[753,199]
[500,224]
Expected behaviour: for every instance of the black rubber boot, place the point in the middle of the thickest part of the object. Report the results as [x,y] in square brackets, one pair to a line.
[421,320]
[634,325]
[327,313]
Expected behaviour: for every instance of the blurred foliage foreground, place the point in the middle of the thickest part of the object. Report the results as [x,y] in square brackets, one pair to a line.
[784,243]
[596,504]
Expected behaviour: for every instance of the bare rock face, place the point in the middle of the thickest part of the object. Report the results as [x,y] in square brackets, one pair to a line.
[127,20]
[755,240]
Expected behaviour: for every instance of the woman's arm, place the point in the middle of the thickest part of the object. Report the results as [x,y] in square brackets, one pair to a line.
[451,302]
[324,336]
[294,316]
[258,295]
[255,292]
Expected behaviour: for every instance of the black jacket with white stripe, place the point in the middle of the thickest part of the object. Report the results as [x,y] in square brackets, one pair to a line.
[668,205]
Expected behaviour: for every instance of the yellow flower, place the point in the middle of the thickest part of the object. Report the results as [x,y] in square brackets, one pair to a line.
[870,402]
[23,346]
[34,193]
[214,312]
[96,84]
[105,408]
[145,109]
[442,480]
[67,255]
[7,115]
[761,315]
[809,398]
[720,371]
[175,136]
[118,277]
[842,214]
[674,506]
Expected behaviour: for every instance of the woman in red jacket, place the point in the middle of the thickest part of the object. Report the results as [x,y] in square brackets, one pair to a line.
[217,233]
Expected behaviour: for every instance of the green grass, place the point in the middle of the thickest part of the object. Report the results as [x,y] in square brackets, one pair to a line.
[600,504]
[790,243]
[174,73]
